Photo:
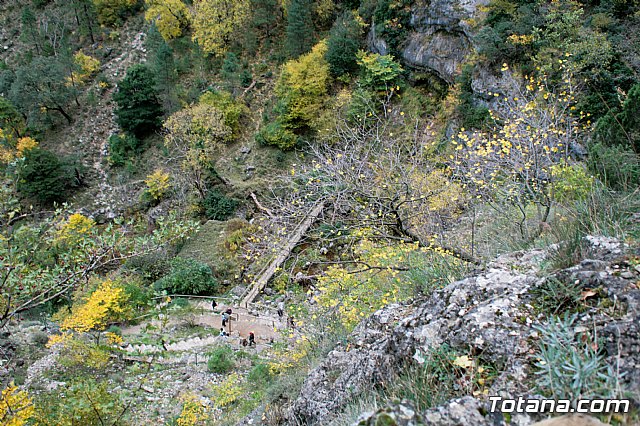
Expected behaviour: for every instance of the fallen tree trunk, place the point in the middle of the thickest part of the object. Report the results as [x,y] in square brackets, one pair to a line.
[284,253]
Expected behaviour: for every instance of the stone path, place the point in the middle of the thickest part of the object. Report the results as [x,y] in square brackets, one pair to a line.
[243,322]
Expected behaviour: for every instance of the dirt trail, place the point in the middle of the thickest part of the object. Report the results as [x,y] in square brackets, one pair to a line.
[99,123]
[265,328]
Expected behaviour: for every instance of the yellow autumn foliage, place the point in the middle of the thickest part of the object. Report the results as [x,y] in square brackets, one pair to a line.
[157,184]
[170,16]
[227,392]
[16,407]
[303,86]
[215,21]
[193,412]
[105,304]
[75,228]
[25,145]
[7,151]
[87,65]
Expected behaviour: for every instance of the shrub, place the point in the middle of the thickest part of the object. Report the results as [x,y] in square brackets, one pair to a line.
[275,134]
[221,360]
[302,88]
[378,72]
[138,295]
[122,147]
[188,276]
[570,182]
[622,128]
[87,66]
[114,12]
[617,166]
[218,206]
[570,366]
[43,176]
[151,267]
[114,329]
[157,184]
[39,338]
[85,398]
[260,375]
[231,109]
[139,109]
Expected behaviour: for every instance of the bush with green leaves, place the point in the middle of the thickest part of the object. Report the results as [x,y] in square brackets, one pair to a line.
[151,266]
[139,108]
[188,276]
[231,109]
[218,206]
[138,294]
[617,167]
[571,182]
[274,134]
[622,127]
[473,116]
[44,177]
[221,360]
[378,72]
[260,375]
[114,12]
[85,399]
[570,364]
[122,147]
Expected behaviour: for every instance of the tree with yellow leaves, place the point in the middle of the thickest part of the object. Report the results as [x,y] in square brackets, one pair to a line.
[16,408]
[302,88]
[171,17]
[196,136]
[75,228]
[215,22]
[104,305]
[535,128]
[86,66]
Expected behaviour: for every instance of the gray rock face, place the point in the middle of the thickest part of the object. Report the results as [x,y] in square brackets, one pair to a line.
[489,314]
[440,36]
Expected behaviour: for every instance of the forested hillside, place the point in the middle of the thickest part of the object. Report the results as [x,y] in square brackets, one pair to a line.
[402,203]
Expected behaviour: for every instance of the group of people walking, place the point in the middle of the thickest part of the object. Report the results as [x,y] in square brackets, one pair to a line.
[226,318]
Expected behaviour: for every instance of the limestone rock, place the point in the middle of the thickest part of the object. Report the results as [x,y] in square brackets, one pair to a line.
[490,314]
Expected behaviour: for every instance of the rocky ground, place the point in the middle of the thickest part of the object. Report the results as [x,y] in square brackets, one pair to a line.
[492,316]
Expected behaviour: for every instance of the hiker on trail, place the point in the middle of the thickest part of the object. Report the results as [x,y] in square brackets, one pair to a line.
[252,339]
[213,304]
[225,319]
[222,332]
[280,309]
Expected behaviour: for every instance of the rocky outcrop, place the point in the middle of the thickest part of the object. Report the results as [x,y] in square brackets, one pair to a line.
[490,314]
[440,36]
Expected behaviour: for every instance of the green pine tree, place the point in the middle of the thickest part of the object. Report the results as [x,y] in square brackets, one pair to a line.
[139,110]
[299,32]
[345,39]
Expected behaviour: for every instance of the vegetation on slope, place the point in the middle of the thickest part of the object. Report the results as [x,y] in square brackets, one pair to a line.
[252,112]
